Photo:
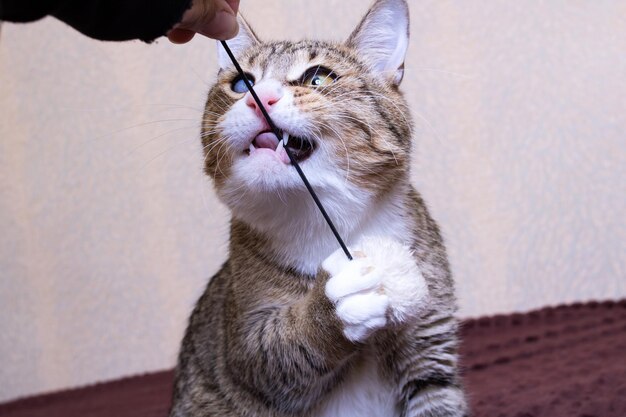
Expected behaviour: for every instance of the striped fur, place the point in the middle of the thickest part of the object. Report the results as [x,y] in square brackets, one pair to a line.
[264,339]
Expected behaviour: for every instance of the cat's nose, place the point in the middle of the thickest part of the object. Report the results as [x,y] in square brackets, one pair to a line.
[269,94]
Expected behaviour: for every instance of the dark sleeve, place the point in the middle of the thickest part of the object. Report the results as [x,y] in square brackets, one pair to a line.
[114,20]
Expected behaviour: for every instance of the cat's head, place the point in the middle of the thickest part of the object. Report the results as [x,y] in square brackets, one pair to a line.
[340,104]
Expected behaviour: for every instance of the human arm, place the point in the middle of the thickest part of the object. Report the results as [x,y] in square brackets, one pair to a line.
[131,19]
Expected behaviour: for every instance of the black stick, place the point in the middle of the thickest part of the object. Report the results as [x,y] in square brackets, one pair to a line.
[289,154]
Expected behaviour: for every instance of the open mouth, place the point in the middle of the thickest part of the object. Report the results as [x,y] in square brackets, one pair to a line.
[300,148]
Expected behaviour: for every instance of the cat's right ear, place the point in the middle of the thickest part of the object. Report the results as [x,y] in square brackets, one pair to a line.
[244,40]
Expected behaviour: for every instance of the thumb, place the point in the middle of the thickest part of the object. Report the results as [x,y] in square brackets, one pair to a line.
[222,25]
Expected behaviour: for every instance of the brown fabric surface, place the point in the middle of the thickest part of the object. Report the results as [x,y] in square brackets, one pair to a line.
[567,361]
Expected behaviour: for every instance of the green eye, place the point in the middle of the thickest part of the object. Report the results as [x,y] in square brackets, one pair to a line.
[318,77]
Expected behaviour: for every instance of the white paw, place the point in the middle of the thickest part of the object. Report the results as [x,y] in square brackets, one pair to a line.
[381,284]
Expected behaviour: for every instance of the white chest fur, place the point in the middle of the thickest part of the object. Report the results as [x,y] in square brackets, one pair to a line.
[363,393]
[303,239]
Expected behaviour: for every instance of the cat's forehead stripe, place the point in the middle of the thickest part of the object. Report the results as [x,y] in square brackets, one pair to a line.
[282,56]
[302,62]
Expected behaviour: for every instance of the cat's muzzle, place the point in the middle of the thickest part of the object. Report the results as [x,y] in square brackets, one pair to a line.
[300,148]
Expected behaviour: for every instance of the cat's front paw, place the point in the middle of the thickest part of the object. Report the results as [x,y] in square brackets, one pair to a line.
[381,285]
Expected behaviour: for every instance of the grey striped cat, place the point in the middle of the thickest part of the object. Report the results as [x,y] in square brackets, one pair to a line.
[289,326]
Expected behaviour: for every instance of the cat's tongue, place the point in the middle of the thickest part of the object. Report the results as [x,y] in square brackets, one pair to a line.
[267,142]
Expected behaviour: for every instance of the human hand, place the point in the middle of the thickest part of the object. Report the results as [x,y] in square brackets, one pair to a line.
[213,18]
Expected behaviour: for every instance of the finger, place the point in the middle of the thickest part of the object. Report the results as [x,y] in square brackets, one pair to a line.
[234,5]
[180,35]
[223,26]
[209,10]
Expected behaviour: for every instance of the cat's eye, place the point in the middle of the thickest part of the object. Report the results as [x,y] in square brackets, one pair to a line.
[238,85]
[318,77]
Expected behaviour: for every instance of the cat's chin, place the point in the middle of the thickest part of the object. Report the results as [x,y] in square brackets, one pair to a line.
[265,171]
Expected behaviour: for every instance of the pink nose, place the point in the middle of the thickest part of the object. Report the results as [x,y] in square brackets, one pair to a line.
[268,94]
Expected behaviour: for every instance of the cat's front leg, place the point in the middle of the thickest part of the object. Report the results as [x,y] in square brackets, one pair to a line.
[381,286]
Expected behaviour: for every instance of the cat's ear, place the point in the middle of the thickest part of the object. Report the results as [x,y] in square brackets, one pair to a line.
[244,40]
[382,38]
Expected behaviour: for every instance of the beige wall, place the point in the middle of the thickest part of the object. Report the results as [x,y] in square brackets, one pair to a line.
[109,230]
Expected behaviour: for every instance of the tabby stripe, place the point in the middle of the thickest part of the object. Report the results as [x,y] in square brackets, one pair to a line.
[320,369]
[437,327]
[382,111]
[422,368]
[439,340]
[447,348]
[415,386]
[356,119]
[253,57]
[438,402]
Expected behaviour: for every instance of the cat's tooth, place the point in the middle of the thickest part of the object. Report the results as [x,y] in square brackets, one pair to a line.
[285,138]
[251,148]
[280,146]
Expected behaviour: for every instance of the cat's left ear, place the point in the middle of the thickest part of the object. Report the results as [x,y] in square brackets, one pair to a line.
[382,38]
[245,39]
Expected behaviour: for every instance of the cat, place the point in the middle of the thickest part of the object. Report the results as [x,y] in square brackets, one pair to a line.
[289,326]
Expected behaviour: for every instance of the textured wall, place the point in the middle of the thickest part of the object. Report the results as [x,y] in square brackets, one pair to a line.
[109,230]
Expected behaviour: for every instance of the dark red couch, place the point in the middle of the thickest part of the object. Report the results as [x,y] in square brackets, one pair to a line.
[566,361]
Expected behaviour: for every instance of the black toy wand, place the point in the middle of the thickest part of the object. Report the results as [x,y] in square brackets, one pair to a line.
[289,154]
